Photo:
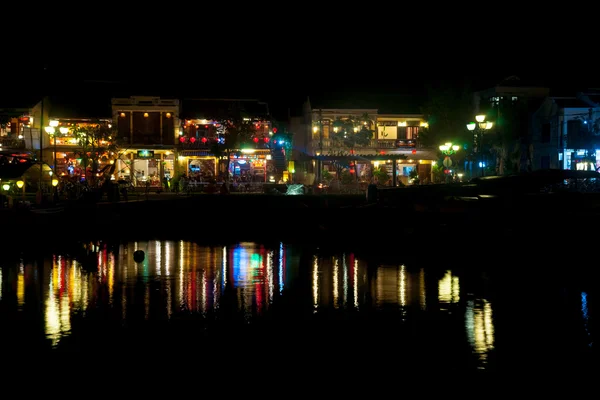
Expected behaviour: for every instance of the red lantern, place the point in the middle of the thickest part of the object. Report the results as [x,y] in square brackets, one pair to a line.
[255,140]
[204,140]
[193,139]
[206,126]
[182,139]
[414,151]
[274,130]
[266,140]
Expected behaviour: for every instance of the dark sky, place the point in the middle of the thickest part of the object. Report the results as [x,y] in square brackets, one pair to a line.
[286,68]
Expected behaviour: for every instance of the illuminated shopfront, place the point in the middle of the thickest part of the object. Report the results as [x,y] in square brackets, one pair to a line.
[253,164]
[146,167]
[66,146]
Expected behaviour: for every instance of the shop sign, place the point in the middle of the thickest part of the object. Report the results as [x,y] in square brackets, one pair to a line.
[145,153]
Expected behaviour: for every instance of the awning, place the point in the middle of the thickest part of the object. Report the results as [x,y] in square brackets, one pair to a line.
[187,153]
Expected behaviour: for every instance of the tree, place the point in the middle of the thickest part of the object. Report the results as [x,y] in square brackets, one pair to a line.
[233,134]
[96,142]
[511,135]
[351,132]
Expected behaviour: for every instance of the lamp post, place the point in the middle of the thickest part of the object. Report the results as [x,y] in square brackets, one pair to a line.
[51,130]
[21,185]
[448,149]
[478,128]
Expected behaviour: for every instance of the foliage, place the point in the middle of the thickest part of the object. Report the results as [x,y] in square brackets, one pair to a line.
[347,178]
[381,175]
[447,110]
[414,176]
[352,132]
[237,134]
[588,136]
[96,143]
[437,171]
[510,133]
[326,175]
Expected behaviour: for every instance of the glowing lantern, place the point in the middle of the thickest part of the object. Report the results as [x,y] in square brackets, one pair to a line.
[204,140]
[274,130]
[266,140]
[414,151]
[193,139]
[255,140]
[182,139]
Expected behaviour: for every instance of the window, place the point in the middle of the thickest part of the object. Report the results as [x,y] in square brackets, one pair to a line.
[412,132]
[545,133]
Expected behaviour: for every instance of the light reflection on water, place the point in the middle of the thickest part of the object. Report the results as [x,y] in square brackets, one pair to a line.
[182,278]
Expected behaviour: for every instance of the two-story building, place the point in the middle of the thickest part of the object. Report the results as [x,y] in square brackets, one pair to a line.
[148,133]
[566,132]
[73,127]
[206,149]
[510,105]
[369,138]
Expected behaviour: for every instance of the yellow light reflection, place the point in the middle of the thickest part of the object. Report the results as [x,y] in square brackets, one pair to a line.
[315,283]
[345,280]
[21,286]
[449,289]
[336,283]
[422,291]
[479,324]
[111,277]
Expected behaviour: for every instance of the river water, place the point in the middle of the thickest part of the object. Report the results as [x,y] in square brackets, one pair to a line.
[433,313]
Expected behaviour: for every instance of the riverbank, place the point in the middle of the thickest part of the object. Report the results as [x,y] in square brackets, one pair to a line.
[342,220]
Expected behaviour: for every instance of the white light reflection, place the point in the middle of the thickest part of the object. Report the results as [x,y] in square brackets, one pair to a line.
[355,283]
[336,283]
[224,265]
[402,286]
[270,275]
[315,283]
[168,255]
[158,256]
[281,280]
[181,263]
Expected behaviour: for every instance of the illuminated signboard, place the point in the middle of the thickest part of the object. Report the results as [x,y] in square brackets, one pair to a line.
[145,153]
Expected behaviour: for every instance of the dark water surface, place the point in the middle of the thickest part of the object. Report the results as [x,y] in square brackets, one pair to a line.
[290,300]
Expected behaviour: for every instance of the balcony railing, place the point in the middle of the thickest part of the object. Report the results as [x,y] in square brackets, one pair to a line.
[199,145]
[373,144]
[11,143]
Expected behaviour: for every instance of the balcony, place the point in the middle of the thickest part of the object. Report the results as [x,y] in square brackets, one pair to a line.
[375,144]
[12,143]
[199,145]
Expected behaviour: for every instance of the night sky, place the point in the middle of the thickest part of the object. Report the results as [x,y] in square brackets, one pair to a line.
[286,76]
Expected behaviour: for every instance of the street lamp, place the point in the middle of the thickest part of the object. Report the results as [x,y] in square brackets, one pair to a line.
[478,128]
[51,130]
[21,185]
[448,149]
